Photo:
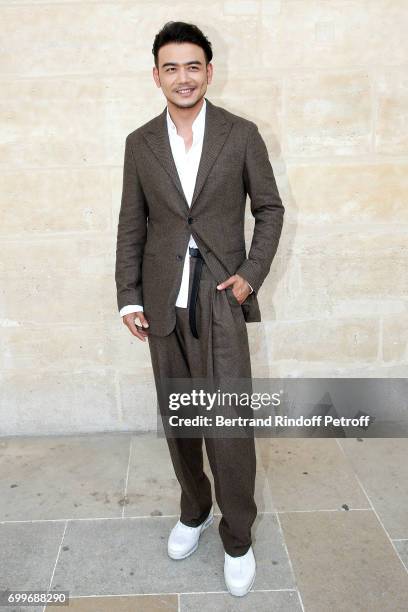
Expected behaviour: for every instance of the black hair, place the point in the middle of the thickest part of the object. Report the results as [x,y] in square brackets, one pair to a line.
[179,32]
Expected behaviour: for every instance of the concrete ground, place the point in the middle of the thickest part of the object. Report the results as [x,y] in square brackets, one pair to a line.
[91,515]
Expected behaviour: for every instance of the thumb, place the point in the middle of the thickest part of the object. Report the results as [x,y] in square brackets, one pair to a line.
[227,283]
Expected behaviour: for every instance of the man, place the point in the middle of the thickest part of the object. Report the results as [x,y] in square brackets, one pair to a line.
[183,274]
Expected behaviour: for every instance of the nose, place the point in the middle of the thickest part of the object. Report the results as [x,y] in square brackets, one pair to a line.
[183,74]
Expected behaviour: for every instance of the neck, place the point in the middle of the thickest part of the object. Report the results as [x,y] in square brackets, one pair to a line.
[184,117]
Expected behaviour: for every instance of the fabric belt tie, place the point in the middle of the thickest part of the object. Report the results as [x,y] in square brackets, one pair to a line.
[194,289]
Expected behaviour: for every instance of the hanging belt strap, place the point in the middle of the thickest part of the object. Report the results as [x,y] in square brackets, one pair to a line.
[194,289]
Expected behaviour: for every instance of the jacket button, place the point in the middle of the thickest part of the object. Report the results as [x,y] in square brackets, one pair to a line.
[190,220]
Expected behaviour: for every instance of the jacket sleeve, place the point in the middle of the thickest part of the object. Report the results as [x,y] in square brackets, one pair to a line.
[131,234]
[266,208]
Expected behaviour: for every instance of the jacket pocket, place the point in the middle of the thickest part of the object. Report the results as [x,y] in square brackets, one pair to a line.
[231,297]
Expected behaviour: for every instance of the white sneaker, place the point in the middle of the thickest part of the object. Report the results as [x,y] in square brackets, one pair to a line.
[183,540]
[239,572]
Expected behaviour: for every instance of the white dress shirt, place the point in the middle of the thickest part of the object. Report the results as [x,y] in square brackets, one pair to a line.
[187,166]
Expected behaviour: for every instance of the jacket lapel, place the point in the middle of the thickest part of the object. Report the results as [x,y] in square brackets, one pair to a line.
[217,128]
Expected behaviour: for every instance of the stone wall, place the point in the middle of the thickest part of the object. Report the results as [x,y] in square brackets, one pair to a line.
[326,83]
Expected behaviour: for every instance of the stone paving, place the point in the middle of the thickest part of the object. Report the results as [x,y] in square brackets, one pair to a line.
[90,514]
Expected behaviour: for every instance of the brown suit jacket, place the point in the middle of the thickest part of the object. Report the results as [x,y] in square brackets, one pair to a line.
[155,220]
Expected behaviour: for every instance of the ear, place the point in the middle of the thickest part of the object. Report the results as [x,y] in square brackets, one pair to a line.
[156,77]
[209,72]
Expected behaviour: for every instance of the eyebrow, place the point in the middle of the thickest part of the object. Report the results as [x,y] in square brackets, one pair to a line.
[185,63]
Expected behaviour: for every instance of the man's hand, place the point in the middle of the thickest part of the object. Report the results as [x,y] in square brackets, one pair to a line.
[137,330]
[240,287]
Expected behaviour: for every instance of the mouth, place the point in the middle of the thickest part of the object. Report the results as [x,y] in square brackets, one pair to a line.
[186,91]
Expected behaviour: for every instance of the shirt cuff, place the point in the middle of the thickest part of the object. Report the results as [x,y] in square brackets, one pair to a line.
[131,308]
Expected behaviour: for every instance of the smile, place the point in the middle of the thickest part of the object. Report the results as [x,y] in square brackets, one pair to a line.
[185,92]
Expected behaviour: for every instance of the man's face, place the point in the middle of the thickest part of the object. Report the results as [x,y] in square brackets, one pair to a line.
[182,73]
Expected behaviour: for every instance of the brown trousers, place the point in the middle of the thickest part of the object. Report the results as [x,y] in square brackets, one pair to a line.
[221,350]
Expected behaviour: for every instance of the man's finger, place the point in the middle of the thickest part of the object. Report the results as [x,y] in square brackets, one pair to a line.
[227,283]
[136,330]
[142,319]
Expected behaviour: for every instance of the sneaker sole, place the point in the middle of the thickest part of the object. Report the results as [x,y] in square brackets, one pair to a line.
[241,592]
[208,521]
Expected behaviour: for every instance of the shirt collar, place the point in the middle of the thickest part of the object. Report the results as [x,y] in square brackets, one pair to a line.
[198,123]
